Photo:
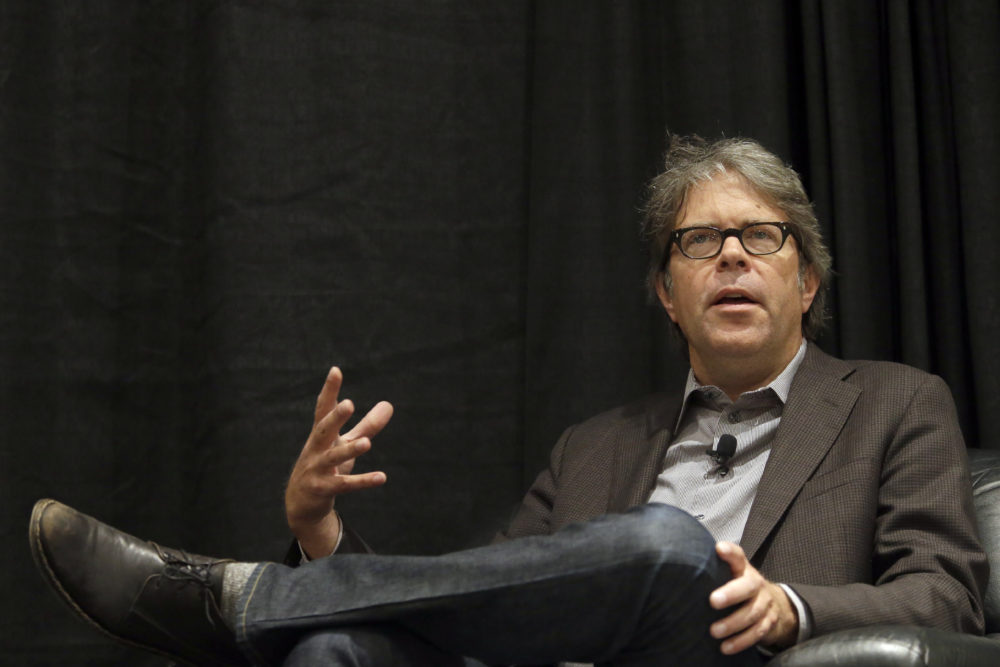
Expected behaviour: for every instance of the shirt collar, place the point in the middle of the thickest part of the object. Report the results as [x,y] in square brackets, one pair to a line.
[779,385]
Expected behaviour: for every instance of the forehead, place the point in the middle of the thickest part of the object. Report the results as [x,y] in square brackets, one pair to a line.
[725,199]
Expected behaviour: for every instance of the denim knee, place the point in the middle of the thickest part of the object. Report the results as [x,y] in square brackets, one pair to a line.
[672,537]
[656,527]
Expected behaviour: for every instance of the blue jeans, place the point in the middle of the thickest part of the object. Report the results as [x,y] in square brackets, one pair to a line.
[625,590]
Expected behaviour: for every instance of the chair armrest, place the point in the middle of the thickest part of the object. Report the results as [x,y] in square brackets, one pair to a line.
[892,646]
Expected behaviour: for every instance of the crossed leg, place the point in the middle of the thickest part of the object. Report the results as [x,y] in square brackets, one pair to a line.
[626,590]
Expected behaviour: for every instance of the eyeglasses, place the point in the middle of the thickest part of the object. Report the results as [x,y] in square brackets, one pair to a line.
[759,238]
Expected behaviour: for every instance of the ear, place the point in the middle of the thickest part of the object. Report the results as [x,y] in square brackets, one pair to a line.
[664,295]
[810,284]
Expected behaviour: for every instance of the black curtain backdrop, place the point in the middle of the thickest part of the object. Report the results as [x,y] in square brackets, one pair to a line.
[203,205]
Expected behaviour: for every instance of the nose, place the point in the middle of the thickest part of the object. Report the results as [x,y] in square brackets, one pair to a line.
[732,254]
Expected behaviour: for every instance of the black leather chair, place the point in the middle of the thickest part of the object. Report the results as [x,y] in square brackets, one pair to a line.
[904,646]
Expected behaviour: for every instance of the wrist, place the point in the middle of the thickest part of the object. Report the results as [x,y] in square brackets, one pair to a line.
[318,539]
[786,629]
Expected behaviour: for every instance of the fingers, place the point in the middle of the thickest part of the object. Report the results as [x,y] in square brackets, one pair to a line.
[327,429]
[342,455]
[328,395]
[746,626]
[741,587]
[333,456]
[350,483]
[323,470]
[330,416]
[330,485]
[761,613]
[752,636]
[372,423]
[320,476]
[734,591]
[733,555]
[354,442]
[768,619]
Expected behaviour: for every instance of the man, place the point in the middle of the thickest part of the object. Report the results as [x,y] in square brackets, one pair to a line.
[834,494]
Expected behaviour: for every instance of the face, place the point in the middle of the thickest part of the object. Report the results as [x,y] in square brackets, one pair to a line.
[736,307]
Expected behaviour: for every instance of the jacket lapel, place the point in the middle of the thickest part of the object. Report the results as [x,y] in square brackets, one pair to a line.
[819,404]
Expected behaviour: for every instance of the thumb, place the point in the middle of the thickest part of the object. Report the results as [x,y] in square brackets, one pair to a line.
[733,556]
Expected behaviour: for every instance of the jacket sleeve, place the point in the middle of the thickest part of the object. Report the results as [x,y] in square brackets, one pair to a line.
[927,565]
[534,515]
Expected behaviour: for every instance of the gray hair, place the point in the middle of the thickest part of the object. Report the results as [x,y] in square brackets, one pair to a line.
[690,161]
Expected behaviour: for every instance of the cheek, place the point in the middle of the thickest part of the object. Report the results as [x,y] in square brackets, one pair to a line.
[683,309]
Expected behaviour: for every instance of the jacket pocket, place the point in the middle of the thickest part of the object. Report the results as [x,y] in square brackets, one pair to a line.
[857,471]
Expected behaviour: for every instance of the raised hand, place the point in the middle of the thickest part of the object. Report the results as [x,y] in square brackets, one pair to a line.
[323,470]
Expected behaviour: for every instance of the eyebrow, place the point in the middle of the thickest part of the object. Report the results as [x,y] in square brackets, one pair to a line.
[745,223]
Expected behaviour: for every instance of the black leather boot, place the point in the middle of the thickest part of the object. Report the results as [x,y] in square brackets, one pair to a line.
[161,600]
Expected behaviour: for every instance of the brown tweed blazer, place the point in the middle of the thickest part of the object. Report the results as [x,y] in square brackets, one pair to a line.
[864,507]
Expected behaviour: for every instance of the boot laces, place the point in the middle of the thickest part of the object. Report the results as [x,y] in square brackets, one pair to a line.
[183,568]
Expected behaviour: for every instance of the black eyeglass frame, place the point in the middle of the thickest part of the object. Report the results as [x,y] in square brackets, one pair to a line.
[675,239]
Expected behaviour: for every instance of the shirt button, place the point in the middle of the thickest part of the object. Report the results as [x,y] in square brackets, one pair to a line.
[734,417]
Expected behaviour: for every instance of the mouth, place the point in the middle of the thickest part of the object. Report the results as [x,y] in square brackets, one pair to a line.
[732,297]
